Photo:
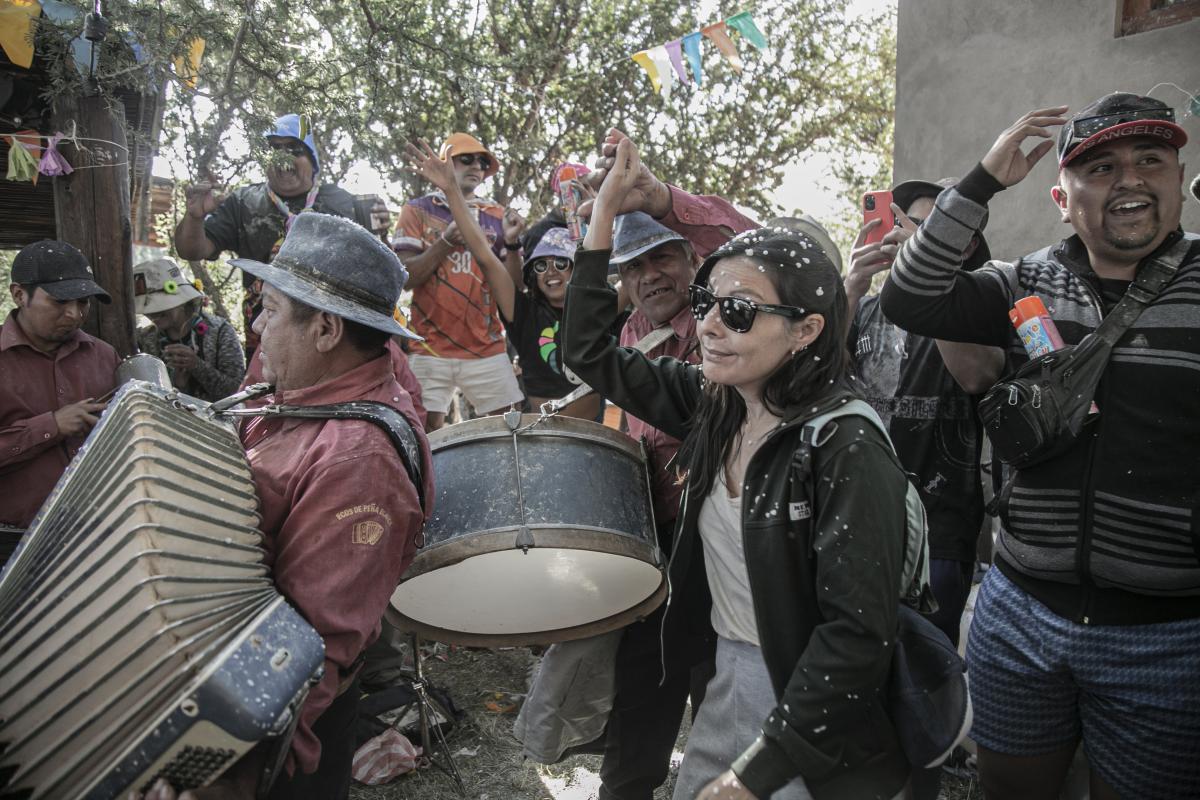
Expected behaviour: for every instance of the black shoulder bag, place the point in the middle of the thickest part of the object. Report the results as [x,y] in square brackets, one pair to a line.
[1039,411]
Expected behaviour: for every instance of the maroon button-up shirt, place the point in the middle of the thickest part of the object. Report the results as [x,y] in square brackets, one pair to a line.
[33,385]
[707,222]
[340,519]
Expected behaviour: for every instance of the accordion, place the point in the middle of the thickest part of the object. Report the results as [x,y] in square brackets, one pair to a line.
[140,633]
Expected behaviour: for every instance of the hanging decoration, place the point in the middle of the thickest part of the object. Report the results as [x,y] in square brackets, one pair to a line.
[16,30]
[24,150]
[52,162]
[665,63]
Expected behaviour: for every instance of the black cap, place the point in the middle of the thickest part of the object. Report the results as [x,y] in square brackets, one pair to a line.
[57,268]
[905,193]
[1116,116]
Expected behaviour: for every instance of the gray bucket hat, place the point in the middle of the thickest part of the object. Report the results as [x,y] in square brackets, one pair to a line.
[339,267]
[635,233]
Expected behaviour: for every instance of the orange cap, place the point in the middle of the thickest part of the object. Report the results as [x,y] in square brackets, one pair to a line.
[460,144]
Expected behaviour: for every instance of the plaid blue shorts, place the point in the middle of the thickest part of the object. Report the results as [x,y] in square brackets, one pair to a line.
[1039,682]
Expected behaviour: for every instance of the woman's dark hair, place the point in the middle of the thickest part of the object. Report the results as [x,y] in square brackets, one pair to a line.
[804,277]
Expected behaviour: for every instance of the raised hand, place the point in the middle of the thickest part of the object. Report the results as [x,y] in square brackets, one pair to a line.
[425,162]
[646,193]
[1006,162]
[513,224]
[200,199]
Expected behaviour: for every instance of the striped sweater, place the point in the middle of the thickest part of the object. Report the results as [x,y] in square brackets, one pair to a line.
[1108,532]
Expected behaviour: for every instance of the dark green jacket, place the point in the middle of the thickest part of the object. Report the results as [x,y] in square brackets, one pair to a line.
[823,560]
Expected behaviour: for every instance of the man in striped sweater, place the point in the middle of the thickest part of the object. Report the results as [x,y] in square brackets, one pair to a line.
[1090,627]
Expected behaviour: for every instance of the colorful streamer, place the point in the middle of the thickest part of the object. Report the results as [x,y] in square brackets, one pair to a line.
[691,48]
[675,51]
[743,23]
[52,162]
[187,66]
[644,61]
[662,63]
[22,156]
[719,35]
[16,30]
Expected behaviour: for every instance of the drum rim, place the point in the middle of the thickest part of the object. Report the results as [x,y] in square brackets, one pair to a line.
[484,428]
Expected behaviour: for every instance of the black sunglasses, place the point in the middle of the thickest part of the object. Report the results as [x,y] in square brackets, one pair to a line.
[560,264]
[737,313]
[468,159]
[294,148]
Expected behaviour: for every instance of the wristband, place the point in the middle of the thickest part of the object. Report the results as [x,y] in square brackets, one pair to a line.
[513,247]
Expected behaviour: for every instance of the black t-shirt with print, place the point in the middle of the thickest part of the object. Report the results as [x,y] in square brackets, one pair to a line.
[932,422]
[534,332]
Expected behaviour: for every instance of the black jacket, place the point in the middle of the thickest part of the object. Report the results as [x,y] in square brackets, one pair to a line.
[1108,532]
[824,584]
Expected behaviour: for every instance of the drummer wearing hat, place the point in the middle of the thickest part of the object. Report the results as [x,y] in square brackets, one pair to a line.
[340,515]
[51,373]
[201,350]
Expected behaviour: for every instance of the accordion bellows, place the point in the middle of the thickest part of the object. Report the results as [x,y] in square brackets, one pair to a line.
[140,633]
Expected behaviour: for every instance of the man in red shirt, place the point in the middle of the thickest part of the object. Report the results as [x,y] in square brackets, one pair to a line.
[340,514]
[51,374]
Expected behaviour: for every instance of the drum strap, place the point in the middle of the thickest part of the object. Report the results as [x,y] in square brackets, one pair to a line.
[393,423]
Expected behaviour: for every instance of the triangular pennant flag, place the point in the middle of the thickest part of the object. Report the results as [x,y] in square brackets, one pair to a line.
[691,49]
[23,153]
[662,62]
[187,66]
[16,30]
[81,51]
[720,37]
[52,162]
[643,60]
[675,51]
[743,23]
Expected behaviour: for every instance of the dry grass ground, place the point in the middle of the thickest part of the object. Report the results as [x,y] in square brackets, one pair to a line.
[488,756]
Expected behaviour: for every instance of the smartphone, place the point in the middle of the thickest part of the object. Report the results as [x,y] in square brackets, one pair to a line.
[878,205]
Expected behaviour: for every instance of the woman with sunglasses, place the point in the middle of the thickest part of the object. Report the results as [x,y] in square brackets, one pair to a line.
[802,593]
[532,320]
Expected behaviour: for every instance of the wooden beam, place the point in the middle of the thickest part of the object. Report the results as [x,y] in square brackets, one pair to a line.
[92,210]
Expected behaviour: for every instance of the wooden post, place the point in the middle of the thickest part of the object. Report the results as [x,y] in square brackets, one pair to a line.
[91,208]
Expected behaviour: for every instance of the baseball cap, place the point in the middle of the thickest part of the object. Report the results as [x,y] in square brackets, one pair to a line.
[906,192]
[159,285]
[460,144]
[1116,116]
[296,126]
[59,269]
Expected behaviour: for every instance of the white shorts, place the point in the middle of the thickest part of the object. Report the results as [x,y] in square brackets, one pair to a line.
[488,383]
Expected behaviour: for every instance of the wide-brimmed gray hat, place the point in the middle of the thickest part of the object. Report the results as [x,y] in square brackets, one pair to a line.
[339,267]
[637,232]
[159,285]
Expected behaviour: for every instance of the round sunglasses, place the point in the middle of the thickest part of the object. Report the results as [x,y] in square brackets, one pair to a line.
[737,313]
[560,264]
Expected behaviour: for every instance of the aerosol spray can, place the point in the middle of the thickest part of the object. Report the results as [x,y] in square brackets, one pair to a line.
[1037,331]
[571,196]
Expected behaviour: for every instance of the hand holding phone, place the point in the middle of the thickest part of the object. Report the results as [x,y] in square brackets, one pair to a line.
[878,205]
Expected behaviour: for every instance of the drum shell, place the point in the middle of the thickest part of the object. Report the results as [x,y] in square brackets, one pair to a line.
[583,488]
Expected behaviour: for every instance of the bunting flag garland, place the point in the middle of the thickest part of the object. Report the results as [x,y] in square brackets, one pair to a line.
[23,156]
[665,63]
[719,35]
[643,60]
[675,51]
[52,162]
[691,48]
[16,30]
[662,63]
[743,23]
[187,66]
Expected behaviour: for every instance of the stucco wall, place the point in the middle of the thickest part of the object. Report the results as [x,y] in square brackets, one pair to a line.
[967,69]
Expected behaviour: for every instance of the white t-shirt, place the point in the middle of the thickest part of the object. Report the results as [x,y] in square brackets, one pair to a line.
[721,532]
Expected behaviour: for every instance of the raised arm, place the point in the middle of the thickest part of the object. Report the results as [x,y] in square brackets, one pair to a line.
[440,173]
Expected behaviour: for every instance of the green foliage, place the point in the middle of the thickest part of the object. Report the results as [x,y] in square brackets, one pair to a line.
[537,80]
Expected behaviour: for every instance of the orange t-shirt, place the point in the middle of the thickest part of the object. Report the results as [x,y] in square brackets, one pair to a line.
[454,309]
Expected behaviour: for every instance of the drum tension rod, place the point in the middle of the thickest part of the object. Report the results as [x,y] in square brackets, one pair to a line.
[524,537]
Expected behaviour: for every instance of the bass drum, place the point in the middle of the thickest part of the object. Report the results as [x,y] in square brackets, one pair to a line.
[542,531]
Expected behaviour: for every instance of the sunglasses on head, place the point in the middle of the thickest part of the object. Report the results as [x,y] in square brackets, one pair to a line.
[560,264]
[468,159]
[737,313]
[294,148]
[1088,126]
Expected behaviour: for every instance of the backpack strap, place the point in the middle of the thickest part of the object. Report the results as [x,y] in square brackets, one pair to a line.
[914,587]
